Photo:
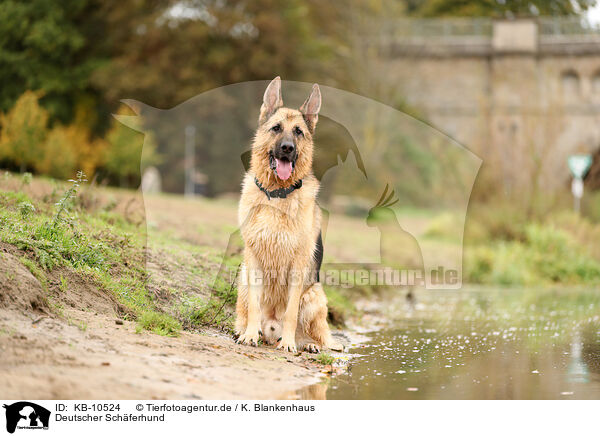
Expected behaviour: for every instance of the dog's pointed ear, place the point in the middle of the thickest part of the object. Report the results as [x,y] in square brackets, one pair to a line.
[311,107]
[271,100]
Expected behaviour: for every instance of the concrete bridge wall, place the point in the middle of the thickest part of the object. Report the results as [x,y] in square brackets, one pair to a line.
[522,94]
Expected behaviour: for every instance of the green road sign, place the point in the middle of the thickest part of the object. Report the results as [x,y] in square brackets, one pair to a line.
[579,164]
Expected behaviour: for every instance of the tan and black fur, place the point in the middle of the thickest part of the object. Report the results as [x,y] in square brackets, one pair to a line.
[278,294]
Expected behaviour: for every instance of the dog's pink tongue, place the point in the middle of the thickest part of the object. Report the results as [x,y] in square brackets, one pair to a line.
[284,169]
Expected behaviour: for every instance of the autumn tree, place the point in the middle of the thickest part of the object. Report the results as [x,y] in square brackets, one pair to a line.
[23,132]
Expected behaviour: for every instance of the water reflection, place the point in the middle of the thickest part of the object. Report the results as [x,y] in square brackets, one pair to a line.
[577,370]
[521,344]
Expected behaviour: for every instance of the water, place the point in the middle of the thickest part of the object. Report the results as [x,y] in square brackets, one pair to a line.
[479,344]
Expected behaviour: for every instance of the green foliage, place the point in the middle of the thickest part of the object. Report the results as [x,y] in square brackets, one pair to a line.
[413,181]
[60,157]
[79,144]
[11,198]
[495,220]
[86,244]
[228,43]
[26,142]
[558,258]
[547,255]
[23,132]
[103,248]
[214,311]
[44,47]
[502,246]
[199,312]
[66,201]
[26,209]
[36,271]
[64,284]
[585,232]
[324,358]
[499,9]
[159,323]
[26,179]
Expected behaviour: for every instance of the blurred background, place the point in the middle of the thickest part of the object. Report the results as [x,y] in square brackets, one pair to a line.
[516,82]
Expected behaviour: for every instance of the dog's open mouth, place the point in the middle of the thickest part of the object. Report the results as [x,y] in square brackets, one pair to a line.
[283,167]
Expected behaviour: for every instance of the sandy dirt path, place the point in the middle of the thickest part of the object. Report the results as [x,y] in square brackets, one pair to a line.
[89,356]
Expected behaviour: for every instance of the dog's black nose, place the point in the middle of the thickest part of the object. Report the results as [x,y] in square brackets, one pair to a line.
[287,147]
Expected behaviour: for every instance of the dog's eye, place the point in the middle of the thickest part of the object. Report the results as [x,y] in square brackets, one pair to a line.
[298,131]
[276,128]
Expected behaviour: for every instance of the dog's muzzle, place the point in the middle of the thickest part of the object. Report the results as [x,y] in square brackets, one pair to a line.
[284,159]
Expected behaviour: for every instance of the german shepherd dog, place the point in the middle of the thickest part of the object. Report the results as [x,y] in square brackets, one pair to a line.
[279,295]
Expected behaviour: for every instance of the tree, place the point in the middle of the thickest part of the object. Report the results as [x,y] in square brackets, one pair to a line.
[169,52]
[60,159]
[43,47]
[24,132]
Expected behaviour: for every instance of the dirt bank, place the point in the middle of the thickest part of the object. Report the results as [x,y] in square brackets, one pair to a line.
[86,352]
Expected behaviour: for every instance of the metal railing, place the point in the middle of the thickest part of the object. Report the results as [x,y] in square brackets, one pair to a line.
[408,28]
[432,28]
[566,26]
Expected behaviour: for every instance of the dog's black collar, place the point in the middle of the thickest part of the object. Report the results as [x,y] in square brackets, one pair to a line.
[281,192]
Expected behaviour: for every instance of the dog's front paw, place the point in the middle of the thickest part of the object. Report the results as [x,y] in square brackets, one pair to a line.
[287,345]
[312,348]
[249,338]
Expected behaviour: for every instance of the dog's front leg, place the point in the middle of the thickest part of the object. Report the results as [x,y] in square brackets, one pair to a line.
[255,284]
[290,317]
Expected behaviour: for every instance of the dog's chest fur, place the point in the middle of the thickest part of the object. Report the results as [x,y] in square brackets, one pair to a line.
[277,230]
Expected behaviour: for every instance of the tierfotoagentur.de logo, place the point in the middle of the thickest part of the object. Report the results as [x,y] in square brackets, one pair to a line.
[24,415]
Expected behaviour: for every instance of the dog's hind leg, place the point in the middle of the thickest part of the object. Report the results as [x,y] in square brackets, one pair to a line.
[313,332]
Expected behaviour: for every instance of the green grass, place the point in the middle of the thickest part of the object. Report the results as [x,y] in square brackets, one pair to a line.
[64,284]
[325,358]
[547,255]
[58,230]
[12,198]
[100,246]
[201,312]
[159,323]
[37,272]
